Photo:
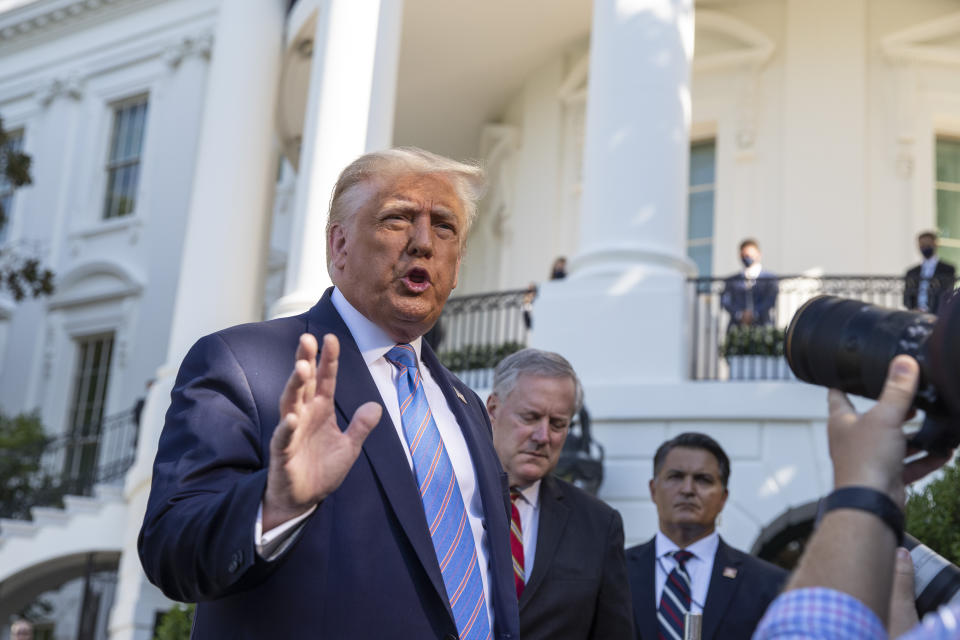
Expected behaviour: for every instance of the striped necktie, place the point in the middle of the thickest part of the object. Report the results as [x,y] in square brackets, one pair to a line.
[675,601]
[516,543]
[442,503]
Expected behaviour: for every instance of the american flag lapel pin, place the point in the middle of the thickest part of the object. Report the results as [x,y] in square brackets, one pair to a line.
[460,395]
[729,572]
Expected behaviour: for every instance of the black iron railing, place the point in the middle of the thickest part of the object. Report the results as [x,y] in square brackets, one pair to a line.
[721,349]
[73,464]
[476,331]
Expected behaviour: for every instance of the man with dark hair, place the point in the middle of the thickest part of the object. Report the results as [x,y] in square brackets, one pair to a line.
[926,284]
[570,573]
[749,296]
[687,567]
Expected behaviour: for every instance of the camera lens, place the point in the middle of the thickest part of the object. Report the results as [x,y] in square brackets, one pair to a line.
[848,344]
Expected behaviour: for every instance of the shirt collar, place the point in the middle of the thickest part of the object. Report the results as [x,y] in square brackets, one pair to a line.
[531,494]
[701,549]
[931,262]
[372,341]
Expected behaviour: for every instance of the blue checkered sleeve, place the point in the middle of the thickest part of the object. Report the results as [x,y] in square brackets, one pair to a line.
[820,613]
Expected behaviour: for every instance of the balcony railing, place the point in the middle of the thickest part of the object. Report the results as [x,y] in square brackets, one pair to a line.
[75,463]
[720,351]
[476,331]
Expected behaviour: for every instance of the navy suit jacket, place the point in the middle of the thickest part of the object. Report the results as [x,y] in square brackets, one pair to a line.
[763,294]
[940,285]
[578,587]
[363,565]
[741,588]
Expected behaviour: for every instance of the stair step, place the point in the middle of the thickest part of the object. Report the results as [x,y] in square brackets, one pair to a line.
[9,528]
[81,504]
[49,515]
[109,492]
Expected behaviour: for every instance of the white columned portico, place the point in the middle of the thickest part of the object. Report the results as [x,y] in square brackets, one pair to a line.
[620,317]
[224,247]
[350,110]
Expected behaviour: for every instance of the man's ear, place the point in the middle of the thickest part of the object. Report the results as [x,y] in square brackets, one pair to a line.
[650,485]
[492,405]
[337,246]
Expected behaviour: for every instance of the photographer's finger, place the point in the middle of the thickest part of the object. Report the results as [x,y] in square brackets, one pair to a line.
[898,391]
[839,404]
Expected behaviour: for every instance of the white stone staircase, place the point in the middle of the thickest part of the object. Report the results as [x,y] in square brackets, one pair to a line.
[84,524]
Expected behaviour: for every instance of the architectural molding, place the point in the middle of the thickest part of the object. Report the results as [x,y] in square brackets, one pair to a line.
[755,51]
[46,14]
[70,86]
[918,43]
[200,45]
[96,281]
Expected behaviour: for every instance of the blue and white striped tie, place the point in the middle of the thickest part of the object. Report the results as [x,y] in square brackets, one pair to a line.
[442,503]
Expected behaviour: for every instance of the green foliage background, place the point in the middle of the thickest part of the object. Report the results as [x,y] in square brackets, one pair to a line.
[176,623]
[22,440]
[933,514]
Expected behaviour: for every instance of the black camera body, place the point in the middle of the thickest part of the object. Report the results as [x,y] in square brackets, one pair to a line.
[848,345]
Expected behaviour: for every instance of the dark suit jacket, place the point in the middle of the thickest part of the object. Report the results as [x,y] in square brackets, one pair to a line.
[578,588]
[942,282]
[763,293]
[363,566]
[734,605]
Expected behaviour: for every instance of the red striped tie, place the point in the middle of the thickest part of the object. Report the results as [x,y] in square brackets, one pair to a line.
[516,543]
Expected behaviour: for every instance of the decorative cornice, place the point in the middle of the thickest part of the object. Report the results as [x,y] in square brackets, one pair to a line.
[915,44]
[43,14]
[70,86]
[200,46]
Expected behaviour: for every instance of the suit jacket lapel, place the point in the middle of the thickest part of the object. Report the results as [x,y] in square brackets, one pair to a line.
[553,519]
[721,589]
[644,563]
[355,386]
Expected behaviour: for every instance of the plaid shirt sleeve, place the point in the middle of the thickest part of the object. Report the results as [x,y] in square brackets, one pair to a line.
[821,614]
[943,624]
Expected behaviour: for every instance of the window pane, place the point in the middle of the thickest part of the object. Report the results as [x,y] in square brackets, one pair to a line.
[702,163]
[702,256]
[701,216]
[948,161]
[123,165]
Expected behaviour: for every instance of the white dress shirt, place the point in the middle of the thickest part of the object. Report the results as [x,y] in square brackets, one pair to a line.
[699,567]
[528,506]
[373,344]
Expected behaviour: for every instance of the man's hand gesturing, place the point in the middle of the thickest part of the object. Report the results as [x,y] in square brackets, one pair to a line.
[309,455]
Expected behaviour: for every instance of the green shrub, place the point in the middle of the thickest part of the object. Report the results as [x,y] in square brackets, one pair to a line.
[176,623]
[933,514]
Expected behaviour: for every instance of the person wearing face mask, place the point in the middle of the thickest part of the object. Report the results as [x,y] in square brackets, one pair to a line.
[924,285]
[750,296]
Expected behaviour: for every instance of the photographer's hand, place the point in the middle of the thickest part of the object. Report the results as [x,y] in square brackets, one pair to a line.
[852,550]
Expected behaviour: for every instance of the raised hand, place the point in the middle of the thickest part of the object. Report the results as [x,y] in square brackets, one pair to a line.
[309,455]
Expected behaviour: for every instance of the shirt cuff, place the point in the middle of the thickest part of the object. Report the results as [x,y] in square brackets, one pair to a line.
[272,544]
[820,613]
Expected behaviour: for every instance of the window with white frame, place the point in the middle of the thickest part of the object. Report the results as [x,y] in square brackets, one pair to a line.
[700,197]
[123,161]
[948,198]
[13,144]
[90,380]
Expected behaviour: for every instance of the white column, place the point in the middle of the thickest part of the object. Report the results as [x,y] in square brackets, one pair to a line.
[224,250]
[620,316]
[350,110]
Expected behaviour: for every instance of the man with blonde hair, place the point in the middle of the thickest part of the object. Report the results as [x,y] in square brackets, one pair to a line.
[360,496]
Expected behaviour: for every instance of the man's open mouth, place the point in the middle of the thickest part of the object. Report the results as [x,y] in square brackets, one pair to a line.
[417,279]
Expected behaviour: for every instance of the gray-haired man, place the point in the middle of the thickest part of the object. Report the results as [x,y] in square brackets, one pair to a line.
[569,566]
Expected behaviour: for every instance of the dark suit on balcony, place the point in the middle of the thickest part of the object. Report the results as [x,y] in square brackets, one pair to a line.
[941,284]
[741,294]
